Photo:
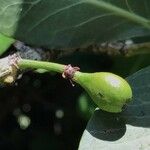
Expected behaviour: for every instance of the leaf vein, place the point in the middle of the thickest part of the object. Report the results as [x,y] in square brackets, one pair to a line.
[93,19]
[54,13]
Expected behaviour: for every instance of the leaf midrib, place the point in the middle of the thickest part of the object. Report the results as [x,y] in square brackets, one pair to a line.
[102,5]
[120,12]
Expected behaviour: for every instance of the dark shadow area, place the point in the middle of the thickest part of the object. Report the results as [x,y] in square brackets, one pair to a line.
[49,102]
[40,113]
[106,126]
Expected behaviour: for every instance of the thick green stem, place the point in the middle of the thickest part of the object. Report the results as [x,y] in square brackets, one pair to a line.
[33,64]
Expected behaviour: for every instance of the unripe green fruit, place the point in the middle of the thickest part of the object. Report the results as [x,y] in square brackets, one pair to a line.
[109,91]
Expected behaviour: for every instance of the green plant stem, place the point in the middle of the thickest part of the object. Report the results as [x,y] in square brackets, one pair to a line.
[33,64]
[120,12]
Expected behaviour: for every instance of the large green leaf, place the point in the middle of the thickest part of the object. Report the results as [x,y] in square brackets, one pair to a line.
[127,130]
[5,43]
[73,23]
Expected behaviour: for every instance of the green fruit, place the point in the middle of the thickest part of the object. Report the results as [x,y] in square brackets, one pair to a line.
[109,91]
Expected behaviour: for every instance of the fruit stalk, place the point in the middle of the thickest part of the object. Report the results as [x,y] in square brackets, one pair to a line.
[33,64]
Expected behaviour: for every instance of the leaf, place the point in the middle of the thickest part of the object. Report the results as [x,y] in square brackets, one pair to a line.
[73,23]
[127,130]
[5,43]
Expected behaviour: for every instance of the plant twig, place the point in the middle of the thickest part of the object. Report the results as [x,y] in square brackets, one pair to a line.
[119,48]
[35,53]
[125,48]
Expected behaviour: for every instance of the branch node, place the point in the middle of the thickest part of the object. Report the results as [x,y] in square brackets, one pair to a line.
[69,72]
[9,68]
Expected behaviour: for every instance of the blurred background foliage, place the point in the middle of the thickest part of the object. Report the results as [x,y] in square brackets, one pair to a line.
[44,111]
